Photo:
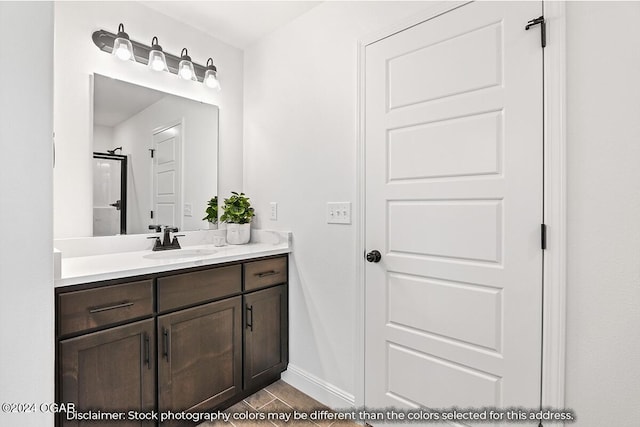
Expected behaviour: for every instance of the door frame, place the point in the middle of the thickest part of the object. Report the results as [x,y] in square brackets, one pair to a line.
[555,198]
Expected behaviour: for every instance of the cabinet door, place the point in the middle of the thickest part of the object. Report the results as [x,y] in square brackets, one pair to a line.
[200,356]
[110,371]
[265,336]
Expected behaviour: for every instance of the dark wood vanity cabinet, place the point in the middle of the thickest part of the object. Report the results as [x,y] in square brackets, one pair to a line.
[265,336]
[200,356]
[111,370]
[189,340]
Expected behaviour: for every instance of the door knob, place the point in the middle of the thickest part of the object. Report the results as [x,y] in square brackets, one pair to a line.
[374,256]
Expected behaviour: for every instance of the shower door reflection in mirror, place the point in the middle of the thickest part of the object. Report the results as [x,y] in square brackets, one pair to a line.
[109,194]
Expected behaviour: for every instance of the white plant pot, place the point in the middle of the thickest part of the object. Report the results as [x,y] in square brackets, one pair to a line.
[213,225]
[238,234]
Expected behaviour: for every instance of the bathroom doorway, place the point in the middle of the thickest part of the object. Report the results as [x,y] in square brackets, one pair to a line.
[109,194]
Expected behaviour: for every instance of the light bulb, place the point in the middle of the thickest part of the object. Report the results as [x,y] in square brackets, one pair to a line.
[186,73]
[123,52]
[212,82]
[157,64]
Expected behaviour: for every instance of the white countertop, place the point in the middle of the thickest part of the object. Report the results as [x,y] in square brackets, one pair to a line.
[91,268]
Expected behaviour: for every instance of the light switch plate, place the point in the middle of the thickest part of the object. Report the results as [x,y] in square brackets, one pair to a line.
[339,212]
[273,211]
[188,209]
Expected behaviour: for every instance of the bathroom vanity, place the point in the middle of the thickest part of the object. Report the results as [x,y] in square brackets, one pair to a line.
[194,335]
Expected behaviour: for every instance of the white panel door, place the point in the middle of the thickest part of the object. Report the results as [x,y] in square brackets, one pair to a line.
[167,177]
[453,140]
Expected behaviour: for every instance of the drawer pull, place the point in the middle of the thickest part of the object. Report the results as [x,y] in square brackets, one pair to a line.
[147,351]
[267,273]
[165,343]
[110,307]
[249,323]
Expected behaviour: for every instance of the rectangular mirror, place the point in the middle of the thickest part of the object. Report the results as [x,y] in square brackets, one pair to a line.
[155,159]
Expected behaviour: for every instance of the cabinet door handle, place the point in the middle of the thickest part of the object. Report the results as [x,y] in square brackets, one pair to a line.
[249,322]
[110,307]
[147,351]
[267,273]
[165,343]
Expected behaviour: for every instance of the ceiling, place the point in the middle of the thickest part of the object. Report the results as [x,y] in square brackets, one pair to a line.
[238,23]
[116,101]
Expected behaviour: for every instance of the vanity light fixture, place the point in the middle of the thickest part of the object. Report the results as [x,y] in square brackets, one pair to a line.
[157,60]
[122,47]
[185,68]
[211,75]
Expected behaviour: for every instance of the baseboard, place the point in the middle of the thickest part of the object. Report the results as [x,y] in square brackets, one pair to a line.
[322,391]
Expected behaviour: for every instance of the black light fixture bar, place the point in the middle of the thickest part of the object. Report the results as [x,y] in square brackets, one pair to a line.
[104,40]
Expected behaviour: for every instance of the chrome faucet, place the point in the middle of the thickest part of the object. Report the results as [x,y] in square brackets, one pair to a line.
[167,243]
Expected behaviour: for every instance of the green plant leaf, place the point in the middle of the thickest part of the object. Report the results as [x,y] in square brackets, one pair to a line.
[237,209]
[212,210]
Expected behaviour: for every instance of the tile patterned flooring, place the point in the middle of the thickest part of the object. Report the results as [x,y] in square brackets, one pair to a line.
[279,397]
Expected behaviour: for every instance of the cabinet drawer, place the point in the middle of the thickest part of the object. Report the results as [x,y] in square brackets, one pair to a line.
[259,274]
[200,286]
[92,308]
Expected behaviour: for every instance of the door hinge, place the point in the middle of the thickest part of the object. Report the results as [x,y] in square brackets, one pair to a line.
[543,236]
[151,151]
[151,214]
[543,29]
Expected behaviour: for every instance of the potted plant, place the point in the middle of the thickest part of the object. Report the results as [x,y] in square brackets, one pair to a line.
[237,214]
[212,213]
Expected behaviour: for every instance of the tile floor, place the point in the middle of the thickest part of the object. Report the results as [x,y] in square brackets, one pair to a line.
[279,398]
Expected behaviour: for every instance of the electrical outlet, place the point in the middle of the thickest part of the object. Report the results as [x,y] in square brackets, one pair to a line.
[273,209]
[339,212]
[188,209]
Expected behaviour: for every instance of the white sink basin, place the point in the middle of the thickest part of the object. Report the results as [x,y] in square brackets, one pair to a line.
[180,253]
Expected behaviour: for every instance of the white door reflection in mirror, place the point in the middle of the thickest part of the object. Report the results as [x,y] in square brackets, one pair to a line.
[166,167]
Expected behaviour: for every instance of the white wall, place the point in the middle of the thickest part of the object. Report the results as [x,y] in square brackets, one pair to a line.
[76,58]
[603,322]
[300,110]
[199,158]
[26,266]
[300,151]
[103,138]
